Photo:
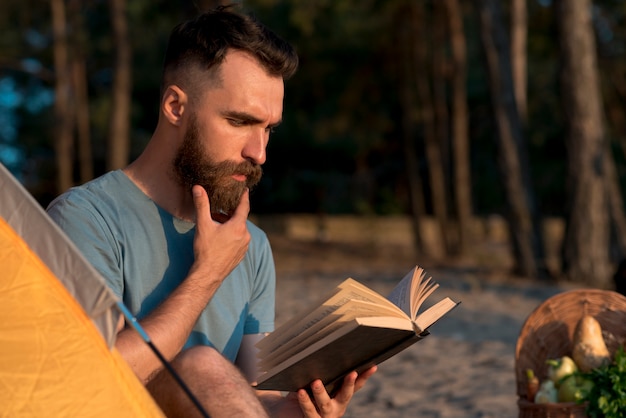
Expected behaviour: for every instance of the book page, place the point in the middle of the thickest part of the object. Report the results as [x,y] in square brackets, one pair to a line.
[268,340]
[353,309]
[316,309]
[434,313]
[412,291]
[348,290]
[401,294]
[419,296]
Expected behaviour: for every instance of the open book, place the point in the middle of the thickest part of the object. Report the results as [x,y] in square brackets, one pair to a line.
[352,328]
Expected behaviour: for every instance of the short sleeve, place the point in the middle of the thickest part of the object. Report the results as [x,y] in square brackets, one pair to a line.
[262,302]
[83,224]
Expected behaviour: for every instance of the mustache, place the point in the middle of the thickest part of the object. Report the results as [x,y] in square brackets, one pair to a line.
[246,168]
[225,169]
[253,172]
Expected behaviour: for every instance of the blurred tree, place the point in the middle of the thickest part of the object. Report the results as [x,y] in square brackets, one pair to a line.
[80,89]
[519,33]
[119,128]
[461,178]
[63,122]
[406,30]
[586,243]
[523,219]
[432,92]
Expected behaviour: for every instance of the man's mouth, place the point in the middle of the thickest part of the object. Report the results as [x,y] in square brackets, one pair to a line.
[239,177]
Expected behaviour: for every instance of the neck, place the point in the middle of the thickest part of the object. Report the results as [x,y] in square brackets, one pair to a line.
[152,172]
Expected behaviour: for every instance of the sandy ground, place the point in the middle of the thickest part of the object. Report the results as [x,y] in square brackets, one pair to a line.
[465,368]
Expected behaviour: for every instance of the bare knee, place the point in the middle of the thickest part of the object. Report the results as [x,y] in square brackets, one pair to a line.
[215,382]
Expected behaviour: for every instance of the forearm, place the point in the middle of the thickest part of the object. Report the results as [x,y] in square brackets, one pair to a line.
[168,326]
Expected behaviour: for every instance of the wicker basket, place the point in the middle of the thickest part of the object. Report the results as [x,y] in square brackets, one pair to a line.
[548,333]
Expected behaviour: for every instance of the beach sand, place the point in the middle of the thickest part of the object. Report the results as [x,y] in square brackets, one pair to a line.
[465,368]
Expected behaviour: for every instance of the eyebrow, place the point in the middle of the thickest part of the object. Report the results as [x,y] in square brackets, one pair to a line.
[248,118]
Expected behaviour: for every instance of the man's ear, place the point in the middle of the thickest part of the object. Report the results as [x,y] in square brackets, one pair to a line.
[173,104]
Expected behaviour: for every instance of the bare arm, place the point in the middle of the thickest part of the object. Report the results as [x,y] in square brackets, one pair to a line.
[218,248]
[247,359]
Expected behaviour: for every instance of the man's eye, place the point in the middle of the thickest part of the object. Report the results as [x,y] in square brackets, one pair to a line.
[270,129]
[236,122]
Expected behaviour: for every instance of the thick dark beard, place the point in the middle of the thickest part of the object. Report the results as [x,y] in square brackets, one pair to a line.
[192,166]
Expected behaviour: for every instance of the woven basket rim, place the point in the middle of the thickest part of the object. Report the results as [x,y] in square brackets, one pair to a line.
[551,410]
[527,404]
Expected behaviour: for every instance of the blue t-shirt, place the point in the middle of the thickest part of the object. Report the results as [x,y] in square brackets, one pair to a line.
[144,253]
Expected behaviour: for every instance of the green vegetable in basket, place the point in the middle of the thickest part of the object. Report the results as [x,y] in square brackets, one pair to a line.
[574,388]
[560,368]
[607,397]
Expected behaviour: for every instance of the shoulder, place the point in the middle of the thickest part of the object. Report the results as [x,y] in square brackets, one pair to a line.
[259,256]
[98,205]
[80,200]
[257,234]
[259,242]
[111,195]
[90,193]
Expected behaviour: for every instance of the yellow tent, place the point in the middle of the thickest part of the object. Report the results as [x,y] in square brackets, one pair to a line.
[57,331]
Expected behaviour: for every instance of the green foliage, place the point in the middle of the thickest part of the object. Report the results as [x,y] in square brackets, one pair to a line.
[607,398]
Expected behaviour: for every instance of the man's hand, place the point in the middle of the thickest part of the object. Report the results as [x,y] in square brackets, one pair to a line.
[218,248]
[321,404]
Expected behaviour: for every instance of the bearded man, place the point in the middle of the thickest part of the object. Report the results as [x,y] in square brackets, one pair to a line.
[170,234]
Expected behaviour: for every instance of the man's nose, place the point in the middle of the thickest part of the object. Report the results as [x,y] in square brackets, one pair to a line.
[255,147]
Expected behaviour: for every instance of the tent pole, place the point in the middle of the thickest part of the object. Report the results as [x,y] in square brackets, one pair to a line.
[146,338]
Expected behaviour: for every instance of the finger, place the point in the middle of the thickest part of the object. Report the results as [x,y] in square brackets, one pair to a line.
[346,391]
[363,377]
[306,404]
[322,398]
[202,204]
[243,209]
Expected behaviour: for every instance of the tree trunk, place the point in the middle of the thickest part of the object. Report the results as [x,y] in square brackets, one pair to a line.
[62,90]
[79,83]
[406,86]
[441,144]
[462,183]
[519,33]
[119,140]
[512,158]
[432,144]
[586,243]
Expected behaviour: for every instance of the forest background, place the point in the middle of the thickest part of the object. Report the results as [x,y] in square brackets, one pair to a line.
[447,109]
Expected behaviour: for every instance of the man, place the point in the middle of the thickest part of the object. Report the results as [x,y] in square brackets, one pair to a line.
[170,231]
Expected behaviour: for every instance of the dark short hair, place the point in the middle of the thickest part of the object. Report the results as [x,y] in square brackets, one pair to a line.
[202,44]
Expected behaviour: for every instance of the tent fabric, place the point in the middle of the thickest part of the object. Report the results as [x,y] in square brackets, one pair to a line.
[54,361]
[22,212]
